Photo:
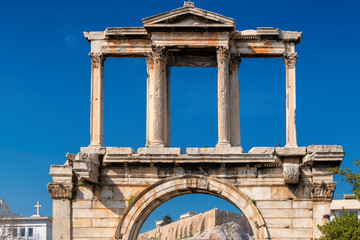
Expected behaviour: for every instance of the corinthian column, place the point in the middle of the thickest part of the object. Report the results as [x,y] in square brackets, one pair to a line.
[97,99]
[167,107]
[223,97]
[290,59]
[234,102]
[157,88]
[149,99]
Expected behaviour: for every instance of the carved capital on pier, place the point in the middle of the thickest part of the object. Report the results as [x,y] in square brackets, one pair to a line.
[60,191]
[323,190]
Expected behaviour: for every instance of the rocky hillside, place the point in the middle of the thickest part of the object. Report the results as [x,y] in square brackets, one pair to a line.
[225,231]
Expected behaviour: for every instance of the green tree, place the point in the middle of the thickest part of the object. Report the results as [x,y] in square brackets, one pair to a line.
[346,227]
[351,177]
[167,219]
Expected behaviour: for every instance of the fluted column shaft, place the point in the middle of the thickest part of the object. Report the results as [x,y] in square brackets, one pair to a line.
[97,99]
[290,59]
[223,97]
[234,102]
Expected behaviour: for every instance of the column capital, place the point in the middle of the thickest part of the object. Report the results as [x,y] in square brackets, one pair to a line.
[235,60]
[97,58]
[60,191]
[149,59]
[222,52]
[323,190]
[157,53]
[290,59]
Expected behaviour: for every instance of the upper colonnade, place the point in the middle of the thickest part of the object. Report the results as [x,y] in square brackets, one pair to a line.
[190,37]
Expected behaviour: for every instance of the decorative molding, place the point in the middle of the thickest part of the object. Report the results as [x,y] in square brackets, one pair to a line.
[158,53]
[60,191]
[291,172]
[323,190]
[86,167]
[189,4]
[97,58]
[222,53]
[290,59]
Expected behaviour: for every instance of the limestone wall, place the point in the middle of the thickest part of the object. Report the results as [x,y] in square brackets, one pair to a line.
[194,225]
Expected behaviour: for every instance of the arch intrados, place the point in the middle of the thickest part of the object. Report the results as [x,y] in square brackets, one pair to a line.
[156,194]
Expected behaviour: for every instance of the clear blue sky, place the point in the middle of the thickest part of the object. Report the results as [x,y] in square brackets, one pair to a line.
[45,85]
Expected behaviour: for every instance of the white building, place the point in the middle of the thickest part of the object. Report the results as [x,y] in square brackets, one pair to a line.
[29,228]
[349,204]
[14,227]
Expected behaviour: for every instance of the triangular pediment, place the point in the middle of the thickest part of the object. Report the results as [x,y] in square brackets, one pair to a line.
[189,16]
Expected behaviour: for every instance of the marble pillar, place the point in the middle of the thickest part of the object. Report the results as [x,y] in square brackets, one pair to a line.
[290,59]
[157,104]
[234,102]
[97,99]
[223,97]
[149,99]
[167,107]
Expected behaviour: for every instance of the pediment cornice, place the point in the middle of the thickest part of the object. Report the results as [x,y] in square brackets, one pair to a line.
[189,16]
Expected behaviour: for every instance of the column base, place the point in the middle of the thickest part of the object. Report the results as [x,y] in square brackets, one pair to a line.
[223,144]
[156,145]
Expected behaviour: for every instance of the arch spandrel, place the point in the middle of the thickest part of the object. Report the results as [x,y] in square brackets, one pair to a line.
[153,196]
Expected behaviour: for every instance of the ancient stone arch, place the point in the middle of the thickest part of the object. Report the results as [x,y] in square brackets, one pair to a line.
[292,186]
[153,196]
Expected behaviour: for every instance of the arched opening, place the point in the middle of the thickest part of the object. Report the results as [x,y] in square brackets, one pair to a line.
[147,201]
[196,215]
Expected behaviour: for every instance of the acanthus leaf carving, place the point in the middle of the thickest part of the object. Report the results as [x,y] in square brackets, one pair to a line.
[60,191]
[323,190]
[290,59]
[158,52]
[223,52]
[97,58]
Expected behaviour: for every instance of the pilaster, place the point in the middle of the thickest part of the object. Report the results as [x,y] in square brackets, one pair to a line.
[61,191]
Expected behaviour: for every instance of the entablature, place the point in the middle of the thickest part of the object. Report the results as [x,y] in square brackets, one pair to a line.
[189,27]
[136,42]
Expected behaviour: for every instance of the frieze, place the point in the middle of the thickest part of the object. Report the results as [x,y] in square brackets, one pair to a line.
[323,190]
[60,191]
